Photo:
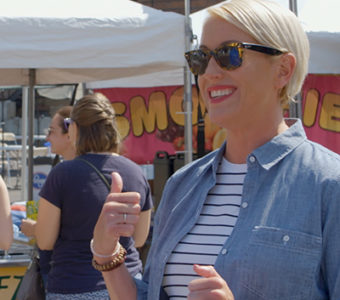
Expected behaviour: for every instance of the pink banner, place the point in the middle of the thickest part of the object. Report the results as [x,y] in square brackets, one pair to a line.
[152,119]
[321,109]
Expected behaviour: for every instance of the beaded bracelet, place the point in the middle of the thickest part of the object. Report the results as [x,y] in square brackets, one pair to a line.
[104,255]
[113,264]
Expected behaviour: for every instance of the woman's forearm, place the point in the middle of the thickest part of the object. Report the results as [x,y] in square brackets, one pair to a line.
[6,233]
[6,227]
[120,284]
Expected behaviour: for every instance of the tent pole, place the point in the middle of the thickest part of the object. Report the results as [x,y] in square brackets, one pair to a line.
[187,89]
[293,6]
[24,144]
[295,109]
[31,105]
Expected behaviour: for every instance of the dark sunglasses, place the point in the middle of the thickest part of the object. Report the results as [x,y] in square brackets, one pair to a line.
[67,122]
[228,55]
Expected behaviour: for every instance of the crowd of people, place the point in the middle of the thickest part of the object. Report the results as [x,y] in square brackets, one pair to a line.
[257,218]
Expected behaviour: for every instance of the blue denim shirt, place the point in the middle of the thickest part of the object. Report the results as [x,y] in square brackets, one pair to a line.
[286,242]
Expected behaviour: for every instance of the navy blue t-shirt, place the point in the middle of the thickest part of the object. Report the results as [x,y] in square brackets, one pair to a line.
[79,192]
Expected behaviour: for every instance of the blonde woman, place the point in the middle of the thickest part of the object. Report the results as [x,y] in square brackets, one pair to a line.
[259,217]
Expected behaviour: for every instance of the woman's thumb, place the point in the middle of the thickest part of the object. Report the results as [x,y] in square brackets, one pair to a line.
[117,183]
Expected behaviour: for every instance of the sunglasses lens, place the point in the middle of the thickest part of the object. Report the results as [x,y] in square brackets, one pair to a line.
[197,61]
[229,57]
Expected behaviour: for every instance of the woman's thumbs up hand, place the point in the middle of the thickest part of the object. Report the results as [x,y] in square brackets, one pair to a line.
[118,217]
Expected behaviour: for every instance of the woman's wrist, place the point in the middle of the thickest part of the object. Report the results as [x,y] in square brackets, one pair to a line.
[95,253]
[108,262]
[102,258]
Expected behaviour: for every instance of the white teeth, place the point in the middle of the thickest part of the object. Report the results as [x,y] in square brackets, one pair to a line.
[220,93]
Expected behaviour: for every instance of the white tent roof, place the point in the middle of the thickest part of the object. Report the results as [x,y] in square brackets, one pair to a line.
[78,41]
[318,17]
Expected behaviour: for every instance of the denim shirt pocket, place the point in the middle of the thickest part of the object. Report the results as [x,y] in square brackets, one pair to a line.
[280,264]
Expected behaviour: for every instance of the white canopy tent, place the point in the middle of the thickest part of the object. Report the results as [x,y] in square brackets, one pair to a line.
[58,42]
[79,41]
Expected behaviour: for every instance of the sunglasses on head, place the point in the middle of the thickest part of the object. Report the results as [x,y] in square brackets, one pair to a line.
[228,56]
[67,122]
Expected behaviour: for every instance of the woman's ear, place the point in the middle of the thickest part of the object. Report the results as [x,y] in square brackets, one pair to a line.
[286,67]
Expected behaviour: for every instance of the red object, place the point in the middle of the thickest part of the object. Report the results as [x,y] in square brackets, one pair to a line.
[321,110]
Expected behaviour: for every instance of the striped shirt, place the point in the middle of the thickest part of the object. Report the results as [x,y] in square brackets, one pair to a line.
[215,224]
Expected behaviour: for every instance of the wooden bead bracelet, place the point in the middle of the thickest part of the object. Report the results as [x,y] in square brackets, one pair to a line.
[116,261]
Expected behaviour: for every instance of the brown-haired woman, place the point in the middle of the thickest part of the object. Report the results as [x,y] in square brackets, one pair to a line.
[73,196]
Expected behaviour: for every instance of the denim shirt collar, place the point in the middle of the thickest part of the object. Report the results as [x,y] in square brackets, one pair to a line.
[281,145]
[276,149]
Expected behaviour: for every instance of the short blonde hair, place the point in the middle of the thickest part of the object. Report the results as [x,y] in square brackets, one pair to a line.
[272,25]
[97,128]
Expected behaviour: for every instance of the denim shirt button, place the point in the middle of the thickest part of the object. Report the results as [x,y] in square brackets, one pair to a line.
[252,159]
[244,204]
[224,251]
[286,238]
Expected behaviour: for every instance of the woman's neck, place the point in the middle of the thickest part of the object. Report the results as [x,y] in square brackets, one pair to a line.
[104,153]
[241,143]
[69,154]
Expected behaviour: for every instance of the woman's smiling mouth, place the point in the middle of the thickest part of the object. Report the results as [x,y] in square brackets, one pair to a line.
[219,94]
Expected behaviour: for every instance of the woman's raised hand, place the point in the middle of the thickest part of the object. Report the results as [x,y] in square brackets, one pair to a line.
[118,217]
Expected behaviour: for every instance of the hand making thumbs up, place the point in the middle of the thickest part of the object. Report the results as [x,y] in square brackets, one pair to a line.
[118,217]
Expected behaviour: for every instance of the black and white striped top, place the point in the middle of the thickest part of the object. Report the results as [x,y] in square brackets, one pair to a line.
[215,224]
